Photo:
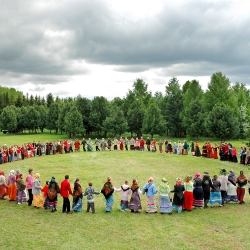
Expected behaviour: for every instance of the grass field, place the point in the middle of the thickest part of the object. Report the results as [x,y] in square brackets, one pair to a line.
[24,227]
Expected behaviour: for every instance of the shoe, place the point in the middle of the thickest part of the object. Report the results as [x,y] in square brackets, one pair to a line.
[19,203]
[70,212]
[122,210]
[137,212]
[2,198]
[132,211]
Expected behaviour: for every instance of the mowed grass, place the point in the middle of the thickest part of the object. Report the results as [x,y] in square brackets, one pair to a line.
[25,227]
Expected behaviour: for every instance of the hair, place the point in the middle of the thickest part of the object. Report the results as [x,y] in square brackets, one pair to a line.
[47,182]
[90,184]
[126,182]
[66,177]
[76,180]
[30,170]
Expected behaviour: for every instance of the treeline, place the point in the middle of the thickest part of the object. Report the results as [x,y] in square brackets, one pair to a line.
[222,111]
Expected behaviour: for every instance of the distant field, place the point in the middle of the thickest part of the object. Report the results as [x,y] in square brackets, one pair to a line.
[24,227]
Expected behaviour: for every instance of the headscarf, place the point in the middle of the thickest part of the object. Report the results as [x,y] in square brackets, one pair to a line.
[17,171]
[178,181]
[188,178]
[2,172]
[164,186]
[107,189]
[134,186]
[150,179]
[37,176]
[12,172]
[197,175]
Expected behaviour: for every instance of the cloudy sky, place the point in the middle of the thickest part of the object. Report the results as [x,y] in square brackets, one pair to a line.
[100,47]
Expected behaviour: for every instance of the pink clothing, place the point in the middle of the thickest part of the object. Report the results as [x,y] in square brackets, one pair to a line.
[125,189]
[11,180]
[29,181]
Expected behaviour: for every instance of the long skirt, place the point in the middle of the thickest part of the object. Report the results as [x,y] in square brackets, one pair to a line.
[37,200]
[198,197]
[188,200]
[124,205]
[215,197]
[109,203]
[77,205]
[165,204]
[151,206]
[89,148]
[21,197]
[3,191]
[12,192]
[135,202]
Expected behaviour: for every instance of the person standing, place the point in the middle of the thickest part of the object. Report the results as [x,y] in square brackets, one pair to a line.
[150,190]
[12,186]
[178,200]
[125,189]
[126,143]
[108,191]
[241,181]
[53,190]
[65,191]
[3,186]
[89,192]
[198,191]
[148,143]
[223,188]
[21,195]
[215,194]
[164,201]
[97,142]
[231,188]
[84,144]
[29,184]
[36,191]
[135,201]
[188,194]
[77,196]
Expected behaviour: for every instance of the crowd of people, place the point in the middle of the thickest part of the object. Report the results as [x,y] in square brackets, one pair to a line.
[224,151]
[194,192]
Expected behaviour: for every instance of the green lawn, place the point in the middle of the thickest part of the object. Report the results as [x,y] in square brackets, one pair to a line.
[24,227]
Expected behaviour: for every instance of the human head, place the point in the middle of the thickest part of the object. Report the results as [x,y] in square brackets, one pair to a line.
[37,176]
[90,184]
[66,177]
[164,180]
[109,178]
[150,179]
[30,170]
[126,182]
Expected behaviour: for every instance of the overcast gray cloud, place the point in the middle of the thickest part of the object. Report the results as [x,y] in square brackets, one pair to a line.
[87,43]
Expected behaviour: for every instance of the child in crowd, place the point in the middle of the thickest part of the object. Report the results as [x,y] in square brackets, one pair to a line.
[45,192]
[125,189]
[89,192]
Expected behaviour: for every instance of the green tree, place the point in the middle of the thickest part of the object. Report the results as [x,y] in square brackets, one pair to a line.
[8,119]
[174,106]
[222,123]
[23,121]
[218,92]
[52,118]
[34,118]
[73,122]
[84,107]
[99,112]
[115,123]
[49,99]
[43,112]
[135,117]
[153,122]
[64,109]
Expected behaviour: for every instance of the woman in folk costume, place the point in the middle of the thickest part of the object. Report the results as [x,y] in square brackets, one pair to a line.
[135,201]
[125,189]
[164,200]
[215,194]
[206,185]
[53,190]
[175,148]
[198,191]
[241,181]
[170,149]
[3,186]
[231,188]
[108,191]
[178,200]
[12,186]
[36,191]
[179,148]
[215,152]
[21,195]
[188,194]
[77,196]
[150,190]
[197,149]
[89,145]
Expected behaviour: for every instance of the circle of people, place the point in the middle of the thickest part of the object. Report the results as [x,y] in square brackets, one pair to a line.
[197,191]
[225,150]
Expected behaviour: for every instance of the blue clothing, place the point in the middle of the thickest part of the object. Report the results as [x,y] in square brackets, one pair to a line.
[77,206]
[150,189]
[109,203]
